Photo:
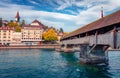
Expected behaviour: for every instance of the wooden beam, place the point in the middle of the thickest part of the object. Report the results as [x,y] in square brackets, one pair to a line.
[114,38]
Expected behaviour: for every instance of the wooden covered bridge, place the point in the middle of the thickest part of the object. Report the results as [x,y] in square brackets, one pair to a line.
[95,38]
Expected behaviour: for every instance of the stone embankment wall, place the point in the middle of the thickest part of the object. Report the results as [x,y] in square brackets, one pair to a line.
[51,46]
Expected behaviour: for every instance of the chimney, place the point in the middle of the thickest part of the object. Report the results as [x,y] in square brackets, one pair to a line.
[101,12]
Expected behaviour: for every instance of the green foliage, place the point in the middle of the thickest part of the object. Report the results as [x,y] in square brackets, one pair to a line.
[12,24]
[50,35]
[22,23]
[61,30]
[15,25]
[18,29]
[11,20]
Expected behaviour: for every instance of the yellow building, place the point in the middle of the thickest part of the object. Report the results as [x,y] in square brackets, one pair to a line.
[32,33]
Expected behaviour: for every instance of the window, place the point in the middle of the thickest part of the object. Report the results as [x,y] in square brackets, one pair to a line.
[4,31]
[4,36]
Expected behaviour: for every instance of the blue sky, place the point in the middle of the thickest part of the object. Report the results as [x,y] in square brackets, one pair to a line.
[68,14]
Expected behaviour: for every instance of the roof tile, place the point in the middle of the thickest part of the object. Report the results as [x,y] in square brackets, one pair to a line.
[100,23]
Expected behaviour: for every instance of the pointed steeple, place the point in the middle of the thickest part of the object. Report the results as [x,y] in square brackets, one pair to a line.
[101,12]
[17,17]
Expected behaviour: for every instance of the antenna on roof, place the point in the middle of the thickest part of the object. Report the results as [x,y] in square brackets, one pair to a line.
[101,12]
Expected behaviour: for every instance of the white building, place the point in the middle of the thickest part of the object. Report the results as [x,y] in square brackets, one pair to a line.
[6,35]
[16,38]
[32,33]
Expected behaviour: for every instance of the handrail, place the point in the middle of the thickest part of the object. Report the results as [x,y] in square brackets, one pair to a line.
[106,38]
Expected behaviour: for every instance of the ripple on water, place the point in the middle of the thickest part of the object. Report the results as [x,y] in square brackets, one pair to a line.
[38,63]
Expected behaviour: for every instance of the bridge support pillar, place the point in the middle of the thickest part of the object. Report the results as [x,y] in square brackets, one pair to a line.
[95,54]
[114,38]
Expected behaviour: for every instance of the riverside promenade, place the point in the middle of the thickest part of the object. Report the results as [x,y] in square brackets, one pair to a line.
[44,46]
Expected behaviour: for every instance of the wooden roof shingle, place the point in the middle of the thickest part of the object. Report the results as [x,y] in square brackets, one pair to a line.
[111,19]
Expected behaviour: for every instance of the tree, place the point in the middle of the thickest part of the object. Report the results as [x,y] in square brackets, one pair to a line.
[61,30]
[15,25]
[22,23]
[18,29]
[50,35]
[12,24]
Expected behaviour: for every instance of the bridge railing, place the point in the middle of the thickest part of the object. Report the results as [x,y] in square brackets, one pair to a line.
[76,41]
[118,39]
[83,40]
[92,40]
[107,39]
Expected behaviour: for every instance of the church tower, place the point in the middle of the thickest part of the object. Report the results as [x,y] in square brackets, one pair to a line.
[17,17]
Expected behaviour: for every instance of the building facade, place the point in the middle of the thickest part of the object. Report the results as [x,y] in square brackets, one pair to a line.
[16,38]
[32,33]
[6,35]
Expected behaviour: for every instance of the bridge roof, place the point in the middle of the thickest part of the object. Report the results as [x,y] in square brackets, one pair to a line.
[100,23]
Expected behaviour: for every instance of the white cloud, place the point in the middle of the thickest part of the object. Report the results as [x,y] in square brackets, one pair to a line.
[68,22]
[51,23]
[33,2]
[44,14]
[82,3]
[93,13]
[64,4]
[28,14]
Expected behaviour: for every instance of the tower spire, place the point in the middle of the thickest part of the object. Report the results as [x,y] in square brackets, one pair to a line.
[101,12]
[17,17]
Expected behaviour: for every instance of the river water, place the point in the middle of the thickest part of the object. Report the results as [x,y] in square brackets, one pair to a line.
[46,63]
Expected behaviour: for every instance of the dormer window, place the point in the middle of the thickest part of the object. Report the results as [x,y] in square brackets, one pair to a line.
[36,24]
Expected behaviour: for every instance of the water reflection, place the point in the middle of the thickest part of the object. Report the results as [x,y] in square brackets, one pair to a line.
[85,71]
[69,57]
[42,63]
[95,71]
[20,52]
